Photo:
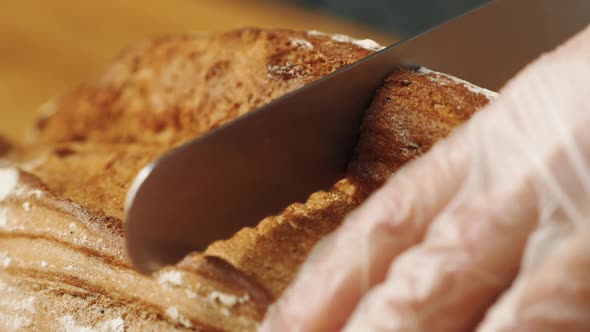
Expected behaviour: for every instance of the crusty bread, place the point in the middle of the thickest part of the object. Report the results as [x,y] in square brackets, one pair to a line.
[62,259]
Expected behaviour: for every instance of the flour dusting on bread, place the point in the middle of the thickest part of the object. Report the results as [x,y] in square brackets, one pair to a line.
[8,181]
[367,44]
[443,79]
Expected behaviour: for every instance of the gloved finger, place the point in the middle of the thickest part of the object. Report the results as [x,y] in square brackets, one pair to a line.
[469,256]
[555,296]
[349,261]
[473,249]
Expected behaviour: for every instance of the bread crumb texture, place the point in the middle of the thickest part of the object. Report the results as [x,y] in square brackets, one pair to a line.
[63,265]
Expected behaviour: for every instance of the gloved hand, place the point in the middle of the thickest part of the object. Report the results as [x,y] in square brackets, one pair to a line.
[489,231]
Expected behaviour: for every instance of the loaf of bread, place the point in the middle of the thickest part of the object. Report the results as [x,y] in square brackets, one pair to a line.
[63,265]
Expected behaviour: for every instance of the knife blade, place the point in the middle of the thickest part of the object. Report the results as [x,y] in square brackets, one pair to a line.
[256,165]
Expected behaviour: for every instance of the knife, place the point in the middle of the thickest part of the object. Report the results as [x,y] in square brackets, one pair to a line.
[258,164]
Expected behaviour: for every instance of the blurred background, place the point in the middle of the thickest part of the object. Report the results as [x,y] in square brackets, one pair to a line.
[46,47]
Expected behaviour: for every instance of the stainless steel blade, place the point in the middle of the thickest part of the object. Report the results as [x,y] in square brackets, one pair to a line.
[491,45]
[256,165]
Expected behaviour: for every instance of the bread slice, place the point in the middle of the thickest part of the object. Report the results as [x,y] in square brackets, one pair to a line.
[62,260]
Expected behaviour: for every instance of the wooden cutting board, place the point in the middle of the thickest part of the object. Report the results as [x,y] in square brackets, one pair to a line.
[46,47]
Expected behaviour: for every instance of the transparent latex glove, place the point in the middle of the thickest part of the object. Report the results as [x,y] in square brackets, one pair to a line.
[489,231]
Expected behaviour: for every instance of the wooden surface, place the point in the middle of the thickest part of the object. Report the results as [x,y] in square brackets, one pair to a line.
[46,47]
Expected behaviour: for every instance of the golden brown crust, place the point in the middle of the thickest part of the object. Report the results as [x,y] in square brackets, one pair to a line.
[62,260]
[410,112]
[169,89]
